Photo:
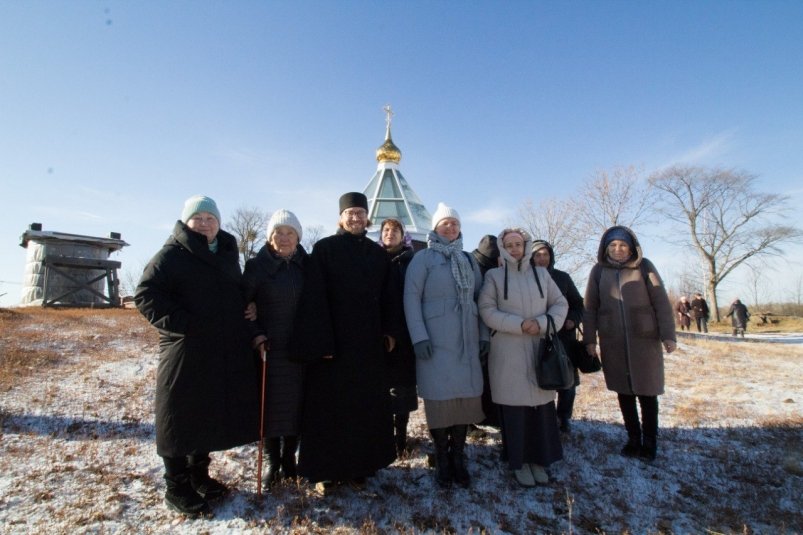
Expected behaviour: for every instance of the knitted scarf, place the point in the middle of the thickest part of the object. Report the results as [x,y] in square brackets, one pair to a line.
[462,271]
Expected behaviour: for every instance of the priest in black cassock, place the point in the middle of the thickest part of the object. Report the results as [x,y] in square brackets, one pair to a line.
[347,320]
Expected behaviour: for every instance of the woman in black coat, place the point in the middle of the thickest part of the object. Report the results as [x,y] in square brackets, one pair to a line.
[274,280]
[739,317]
[401,361]
[206,391]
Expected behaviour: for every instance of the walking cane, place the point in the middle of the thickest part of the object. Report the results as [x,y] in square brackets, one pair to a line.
[263,356]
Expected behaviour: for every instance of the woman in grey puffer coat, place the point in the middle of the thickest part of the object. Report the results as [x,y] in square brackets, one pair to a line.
[440,292]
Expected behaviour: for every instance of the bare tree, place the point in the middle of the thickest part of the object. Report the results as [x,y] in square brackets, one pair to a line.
[130,279]
[248,225]
[756,281]
[553,220]
[727,222]
[621,196]
[312,235]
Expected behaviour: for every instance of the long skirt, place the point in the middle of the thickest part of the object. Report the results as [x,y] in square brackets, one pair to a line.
[449,412]
[531,435]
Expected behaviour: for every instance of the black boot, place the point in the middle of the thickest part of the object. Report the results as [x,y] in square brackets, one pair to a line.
[649,418]
[400,432]
[179,495]
[457,456]
[289,446]
[273,457]
[627,404]
[208,488]
[443,472]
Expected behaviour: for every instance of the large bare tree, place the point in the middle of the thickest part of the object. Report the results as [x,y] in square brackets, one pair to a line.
[726,221]
[553,220]
[619,196]
[248,225]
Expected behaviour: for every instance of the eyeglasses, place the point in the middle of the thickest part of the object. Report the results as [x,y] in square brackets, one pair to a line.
[355,212]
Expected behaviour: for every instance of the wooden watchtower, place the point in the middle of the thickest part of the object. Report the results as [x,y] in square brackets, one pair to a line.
[70,270]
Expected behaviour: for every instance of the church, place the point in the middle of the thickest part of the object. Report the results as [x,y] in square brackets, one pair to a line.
[390,196]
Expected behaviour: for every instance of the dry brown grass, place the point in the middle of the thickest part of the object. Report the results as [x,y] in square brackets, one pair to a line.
[776,324]
[729,413]
[35,338]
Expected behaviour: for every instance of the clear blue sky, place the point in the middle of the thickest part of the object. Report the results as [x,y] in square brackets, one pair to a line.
[112,113]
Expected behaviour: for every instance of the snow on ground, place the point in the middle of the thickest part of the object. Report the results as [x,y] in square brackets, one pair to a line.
[77,455]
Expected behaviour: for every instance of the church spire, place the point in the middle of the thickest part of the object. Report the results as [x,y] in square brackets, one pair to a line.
[390,196]
[388,152]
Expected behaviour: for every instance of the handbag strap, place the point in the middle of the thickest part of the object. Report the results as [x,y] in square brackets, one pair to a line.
[550,324]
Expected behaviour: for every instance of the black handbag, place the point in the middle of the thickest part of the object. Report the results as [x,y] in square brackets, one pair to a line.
[553,371]
[580,357]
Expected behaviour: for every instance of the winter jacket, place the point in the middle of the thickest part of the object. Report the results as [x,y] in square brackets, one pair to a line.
[401,361]
[206,383]
[699,308]
[738,314]
[629,310]
[275,285]
[349,301]
[433,313]
[509,296]
[683,310]
[572,295]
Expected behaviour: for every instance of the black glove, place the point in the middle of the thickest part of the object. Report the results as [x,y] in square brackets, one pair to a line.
[423,349]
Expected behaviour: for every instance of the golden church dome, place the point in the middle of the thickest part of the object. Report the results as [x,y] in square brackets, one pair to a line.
[388,152]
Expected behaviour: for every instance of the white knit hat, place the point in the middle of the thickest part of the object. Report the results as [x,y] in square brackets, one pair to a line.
[284,218]
[443,212]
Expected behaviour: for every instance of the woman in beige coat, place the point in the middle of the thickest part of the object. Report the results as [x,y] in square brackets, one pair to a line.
[626,306]
[514,302]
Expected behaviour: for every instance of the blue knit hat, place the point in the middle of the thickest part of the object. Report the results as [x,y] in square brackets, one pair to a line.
[199,203]
[618,233]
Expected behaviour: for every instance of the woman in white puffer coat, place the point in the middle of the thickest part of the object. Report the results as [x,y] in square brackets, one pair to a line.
[514,302]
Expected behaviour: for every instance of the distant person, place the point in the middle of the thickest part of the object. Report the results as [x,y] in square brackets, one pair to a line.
[440,304]
[487,256]
[627,308]
[544,256]
[739,317]
[274,279]
[514,302]
[206,384]
[700,312]
[683,311]
[401,360]
[348,319]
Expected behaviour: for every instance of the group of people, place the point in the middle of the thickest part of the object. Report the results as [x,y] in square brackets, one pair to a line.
[696,309]
[353,333]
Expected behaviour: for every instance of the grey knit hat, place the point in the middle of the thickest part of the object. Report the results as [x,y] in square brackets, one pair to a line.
[286,218]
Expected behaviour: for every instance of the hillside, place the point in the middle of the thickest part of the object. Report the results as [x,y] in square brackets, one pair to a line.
[77,452]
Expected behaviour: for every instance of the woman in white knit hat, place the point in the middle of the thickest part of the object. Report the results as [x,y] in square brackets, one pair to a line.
[274,280]
[206,391]
[440,304]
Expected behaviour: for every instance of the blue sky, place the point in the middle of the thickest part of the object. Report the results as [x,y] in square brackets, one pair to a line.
[112,113]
